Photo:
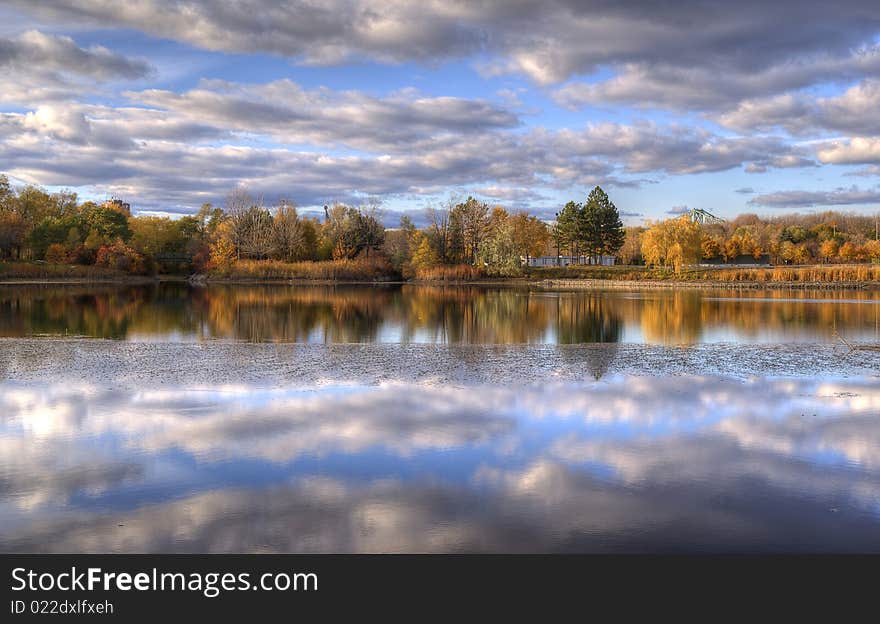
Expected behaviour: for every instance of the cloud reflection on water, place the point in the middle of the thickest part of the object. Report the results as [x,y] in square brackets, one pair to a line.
[628,463]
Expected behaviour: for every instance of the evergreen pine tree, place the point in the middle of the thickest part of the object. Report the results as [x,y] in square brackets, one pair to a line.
[567,230]
[589,227]
[603,232]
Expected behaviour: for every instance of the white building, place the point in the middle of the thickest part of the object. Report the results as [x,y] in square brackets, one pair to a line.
[539,261]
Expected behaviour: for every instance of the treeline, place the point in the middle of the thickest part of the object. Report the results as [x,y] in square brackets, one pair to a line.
[58,229]
[793,239]
[249,239]
[252,241]
[461,240]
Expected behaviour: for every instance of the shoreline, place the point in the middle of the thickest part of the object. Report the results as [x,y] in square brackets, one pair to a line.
[532,282]
[718,284]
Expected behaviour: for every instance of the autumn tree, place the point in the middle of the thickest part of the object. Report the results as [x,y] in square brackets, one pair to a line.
[674,242]
[474,219]
[530,234]
[351,231]
[107,223]
[250,225]
[7,195]
[150,234]
[442,231]
[828,249]
[499,248]
[253,233]
[631,251]
[56,253]
[850,252]
[871,250]
[288,234]
[208,219]
[222,250]
[710,246]
[13,231]
[399,242]
[424,255]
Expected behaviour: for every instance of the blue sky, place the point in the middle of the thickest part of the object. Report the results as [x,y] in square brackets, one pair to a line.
[529,104]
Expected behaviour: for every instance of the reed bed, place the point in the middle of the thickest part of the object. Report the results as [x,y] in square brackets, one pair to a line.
[360,269]
[817,274]
[45,270]
[451,273]
[830,274]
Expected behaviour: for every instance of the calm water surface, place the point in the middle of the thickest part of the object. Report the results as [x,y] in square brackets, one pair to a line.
[94,459]
[428,314]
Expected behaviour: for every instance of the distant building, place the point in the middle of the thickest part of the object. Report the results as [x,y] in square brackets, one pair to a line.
[118,204]
[539,261]
[740,260]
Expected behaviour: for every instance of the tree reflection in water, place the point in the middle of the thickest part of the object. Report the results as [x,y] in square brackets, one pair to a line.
[590,321]
[434,314]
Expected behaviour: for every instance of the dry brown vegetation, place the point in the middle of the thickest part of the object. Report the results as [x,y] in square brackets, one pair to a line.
[451,272]
[819,274]
[374,268]
[44,270]
[838,273]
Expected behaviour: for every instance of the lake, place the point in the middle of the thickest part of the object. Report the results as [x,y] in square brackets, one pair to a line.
[431,314]
[172,418]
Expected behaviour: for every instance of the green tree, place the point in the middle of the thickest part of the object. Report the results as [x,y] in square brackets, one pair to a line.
[499,247]
[566,230]
[600,229]
[107,222]
[34,204]
[209,218]
[55,230]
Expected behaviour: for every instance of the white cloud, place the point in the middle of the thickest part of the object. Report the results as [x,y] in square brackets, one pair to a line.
[290,114]
[803,199]
[851,112]
[717,85]
[36,67]
[188,148]
[857,150]
[755,46]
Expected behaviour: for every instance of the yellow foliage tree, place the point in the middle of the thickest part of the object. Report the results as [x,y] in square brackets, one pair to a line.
[223,253]
[850,252]
[424,256]
[56,254]
[828,249]
[674,242]
[871,250]
[710,247]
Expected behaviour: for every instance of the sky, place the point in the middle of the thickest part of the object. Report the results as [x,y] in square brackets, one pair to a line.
[731,107]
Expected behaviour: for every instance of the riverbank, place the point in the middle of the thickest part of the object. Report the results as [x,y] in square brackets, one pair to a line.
[606,284]
[579,284]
